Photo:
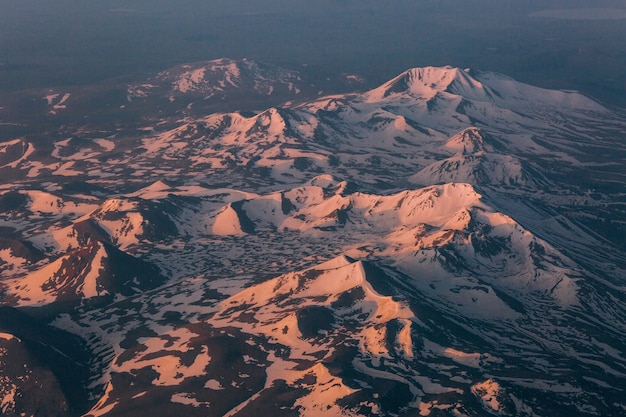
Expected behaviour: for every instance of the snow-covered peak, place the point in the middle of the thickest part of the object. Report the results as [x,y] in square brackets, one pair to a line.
[482,160]
[157,189]
[192,77]
[336,206]
[323,181]
[211,77]
[95,270]
[427,81]
[469,141]
[270,121]
[478,86]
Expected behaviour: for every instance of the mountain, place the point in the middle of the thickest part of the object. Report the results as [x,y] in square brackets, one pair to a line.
[193,89]
[225,241]
[480,159]
[94,270]
[212,77]
[476,86]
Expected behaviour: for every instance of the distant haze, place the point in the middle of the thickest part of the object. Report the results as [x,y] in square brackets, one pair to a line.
[583,14]
[553,43]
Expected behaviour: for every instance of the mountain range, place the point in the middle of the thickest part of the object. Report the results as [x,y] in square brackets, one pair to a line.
[231,238]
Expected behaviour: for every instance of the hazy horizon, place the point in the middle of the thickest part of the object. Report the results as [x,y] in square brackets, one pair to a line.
[548,43]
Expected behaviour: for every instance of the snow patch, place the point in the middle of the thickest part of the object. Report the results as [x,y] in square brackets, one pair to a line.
[213,384]
[8,336]
[488,392]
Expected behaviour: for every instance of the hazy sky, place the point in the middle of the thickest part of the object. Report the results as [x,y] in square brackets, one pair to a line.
[59,42]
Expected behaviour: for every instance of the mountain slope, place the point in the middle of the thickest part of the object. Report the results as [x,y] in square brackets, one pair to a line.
[346,337]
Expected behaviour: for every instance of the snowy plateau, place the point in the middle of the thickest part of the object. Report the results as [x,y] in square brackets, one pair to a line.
[231,238]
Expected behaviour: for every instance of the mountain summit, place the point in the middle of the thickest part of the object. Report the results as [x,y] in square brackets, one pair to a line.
[430,82]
